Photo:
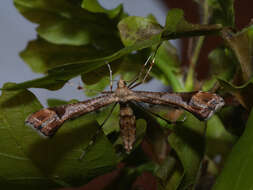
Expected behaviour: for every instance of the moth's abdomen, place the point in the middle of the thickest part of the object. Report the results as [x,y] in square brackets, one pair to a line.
[127,126]
[45,121]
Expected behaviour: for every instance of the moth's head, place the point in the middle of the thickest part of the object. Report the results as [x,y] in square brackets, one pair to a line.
[121,83]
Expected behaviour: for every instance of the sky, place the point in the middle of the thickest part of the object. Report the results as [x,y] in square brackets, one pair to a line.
[16,31]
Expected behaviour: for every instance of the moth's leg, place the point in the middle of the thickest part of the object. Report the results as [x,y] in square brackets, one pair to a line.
[149,69]
[94,137]
[132,85]
[140,73]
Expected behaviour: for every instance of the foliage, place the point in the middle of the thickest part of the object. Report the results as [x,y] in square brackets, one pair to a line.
[79,38]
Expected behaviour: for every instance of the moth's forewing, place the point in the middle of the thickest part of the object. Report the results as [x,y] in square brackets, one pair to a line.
[48,120]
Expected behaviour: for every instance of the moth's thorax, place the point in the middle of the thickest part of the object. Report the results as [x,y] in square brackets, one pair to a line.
[122,91]
[121,84]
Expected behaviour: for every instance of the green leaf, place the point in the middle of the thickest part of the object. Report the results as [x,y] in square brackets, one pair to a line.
[95,7]
[222,65]
[112,124]
[94,89]
[28,161]
[48,82]
[218,140]
[167,62]
[176,26]
[134,29]
[222,12]
[233,117]
[42,56]
[52,102]
[242,45]
[188,142]
[59,75]
[132,64]
[237,175]
[98,79]
[243,93]
[164,170]
[65,22]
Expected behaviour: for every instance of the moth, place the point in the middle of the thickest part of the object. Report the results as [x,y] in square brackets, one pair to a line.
[201,104]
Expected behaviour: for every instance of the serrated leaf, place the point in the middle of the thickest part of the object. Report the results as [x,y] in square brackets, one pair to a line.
[222,12]
[188,142]
[242,45]
[65,22]
[95,7]
[222,65]
[28,161]
[236,175]
[243,93]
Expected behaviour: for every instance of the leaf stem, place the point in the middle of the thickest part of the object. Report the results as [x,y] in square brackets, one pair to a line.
[189,84]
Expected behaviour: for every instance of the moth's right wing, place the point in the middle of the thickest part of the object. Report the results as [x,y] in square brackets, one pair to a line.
[48,120]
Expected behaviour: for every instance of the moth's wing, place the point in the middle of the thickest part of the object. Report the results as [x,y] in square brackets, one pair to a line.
[201,104]
[48,120]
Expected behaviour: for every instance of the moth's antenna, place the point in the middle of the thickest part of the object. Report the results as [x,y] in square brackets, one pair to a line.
[110,70]
[145,77]
[94,137]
